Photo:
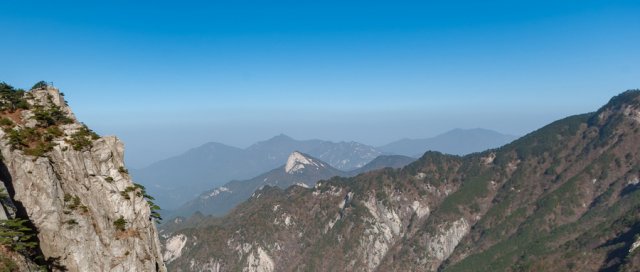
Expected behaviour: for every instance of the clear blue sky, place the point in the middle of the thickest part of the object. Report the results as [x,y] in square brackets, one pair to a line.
[166,76]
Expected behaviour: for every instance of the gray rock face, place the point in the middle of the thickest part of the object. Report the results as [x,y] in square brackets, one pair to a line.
[74,197]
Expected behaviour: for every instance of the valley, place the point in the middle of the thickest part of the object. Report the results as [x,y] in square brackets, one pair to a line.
[214,165]
[320,136]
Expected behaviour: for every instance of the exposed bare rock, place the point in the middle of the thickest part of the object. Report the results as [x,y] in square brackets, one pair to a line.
[442,244]
[73,197]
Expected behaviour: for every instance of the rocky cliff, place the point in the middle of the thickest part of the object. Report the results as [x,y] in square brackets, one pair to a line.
[73,187]
[563,198]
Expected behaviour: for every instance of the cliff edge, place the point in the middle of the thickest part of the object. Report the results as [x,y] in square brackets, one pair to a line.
[73,188]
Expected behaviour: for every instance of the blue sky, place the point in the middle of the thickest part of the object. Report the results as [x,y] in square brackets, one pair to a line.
[166,76]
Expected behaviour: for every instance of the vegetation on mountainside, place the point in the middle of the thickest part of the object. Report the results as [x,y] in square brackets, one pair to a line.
[562,221]
[126,192]
[33,141]
[50,116]
[140,191]
[82,139]
[40,85]
[12,99]
[72,203]
[154,208]
[15,234]
[120,224]
[7,264]
[563,198]
[39,140]
[17,239]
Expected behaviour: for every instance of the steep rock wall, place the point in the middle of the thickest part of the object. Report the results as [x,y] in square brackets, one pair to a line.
[73,197]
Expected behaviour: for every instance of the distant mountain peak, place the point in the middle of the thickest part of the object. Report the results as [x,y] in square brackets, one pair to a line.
[280,137]
[300,170]
[458,141]
[278,140]
[298,161]
[471,130]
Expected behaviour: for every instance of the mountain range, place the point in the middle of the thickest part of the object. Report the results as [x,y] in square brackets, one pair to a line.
[563,198]
[300,169]
[179,179]
[456,142]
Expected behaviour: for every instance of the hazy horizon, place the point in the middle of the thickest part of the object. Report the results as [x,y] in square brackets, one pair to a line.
[145,163]
[166,77]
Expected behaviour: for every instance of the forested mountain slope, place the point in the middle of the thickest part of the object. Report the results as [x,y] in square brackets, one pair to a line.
[563,198]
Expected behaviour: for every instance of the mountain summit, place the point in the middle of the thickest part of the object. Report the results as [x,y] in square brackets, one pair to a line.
[298,161]
[300,169]
[280,138]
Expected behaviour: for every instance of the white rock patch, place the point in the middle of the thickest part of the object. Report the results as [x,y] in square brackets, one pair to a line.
[283,220]
[259,261]
[212,266]
[297,162]
[419,209]
[632,113]
[635,245]
[331,223]
[421,175]
[217,192]
[385,227]
[488,159]
[440,246]
[173,247]
[346,199]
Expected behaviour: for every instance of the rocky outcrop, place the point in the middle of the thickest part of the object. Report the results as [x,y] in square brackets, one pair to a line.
[88,213]
[442,244]
[334,226]
[174,246]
